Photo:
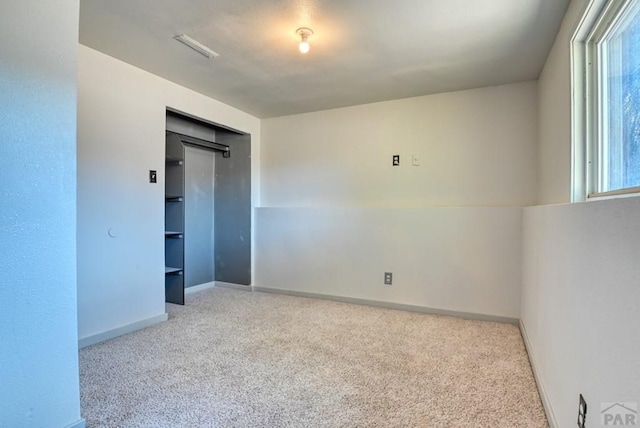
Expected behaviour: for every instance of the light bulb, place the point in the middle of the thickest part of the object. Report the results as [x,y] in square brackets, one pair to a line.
[304,34]
[304,46]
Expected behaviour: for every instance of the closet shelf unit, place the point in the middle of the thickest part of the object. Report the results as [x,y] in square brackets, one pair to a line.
[174,220]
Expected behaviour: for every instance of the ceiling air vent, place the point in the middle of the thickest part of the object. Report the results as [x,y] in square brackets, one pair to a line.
[196,46]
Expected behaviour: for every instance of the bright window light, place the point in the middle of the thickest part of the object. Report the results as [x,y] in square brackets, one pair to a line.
[606,100]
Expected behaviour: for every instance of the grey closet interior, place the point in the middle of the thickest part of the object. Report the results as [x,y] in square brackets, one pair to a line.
[207,205]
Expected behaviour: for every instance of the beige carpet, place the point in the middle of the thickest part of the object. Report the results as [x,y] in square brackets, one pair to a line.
[238,359]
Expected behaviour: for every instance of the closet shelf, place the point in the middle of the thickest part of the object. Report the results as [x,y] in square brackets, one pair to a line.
[172,270]
[173,161]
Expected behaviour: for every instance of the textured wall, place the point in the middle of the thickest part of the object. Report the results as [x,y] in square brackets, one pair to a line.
[121,136]
[580,303]
[336,214]
[456,259]
[38,333]
[476,148]
[554,113]
[580,274]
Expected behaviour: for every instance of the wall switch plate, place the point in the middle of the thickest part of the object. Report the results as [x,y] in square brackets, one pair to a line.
[415,161]
[153,176]
[396,160]
[388,278]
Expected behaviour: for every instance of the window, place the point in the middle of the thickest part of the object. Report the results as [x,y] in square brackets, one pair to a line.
[606,59]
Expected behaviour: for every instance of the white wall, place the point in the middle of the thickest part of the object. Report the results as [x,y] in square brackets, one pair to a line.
[580,276]
[580,304]
[475,148]
[121,127]
[454,259]
[350,215]
[554,113]
[38,333]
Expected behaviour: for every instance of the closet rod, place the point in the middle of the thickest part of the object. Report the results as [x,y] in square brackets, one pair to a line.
[226,151]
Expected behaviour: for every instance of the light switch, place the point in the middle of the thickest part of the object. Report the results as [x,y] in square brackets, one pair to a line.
[415,161]
[153,176]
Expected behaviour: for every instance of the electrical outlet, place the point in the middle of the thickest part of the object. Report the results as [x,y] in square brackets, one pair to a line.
[153,176]
[582,412]
[396,160]
[388,278]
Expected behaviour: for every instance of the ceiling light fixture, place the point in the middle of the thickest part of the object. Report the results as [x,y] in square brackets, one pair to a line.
[196,46]
[304,34]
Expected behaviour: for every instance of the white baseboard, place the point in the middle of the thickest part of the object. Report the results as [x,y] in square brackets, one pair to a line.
[546,403]
[129,328]
[389,305]
[216,284]
[79,424]
[221,284]
[199,287]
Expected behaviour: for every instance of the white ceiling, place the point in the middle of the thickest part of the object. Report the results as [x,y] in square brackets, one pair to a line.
[362,50]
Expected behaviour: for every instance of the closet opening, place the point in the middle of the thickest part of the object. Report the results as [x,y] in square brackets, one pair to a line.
[207,205]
